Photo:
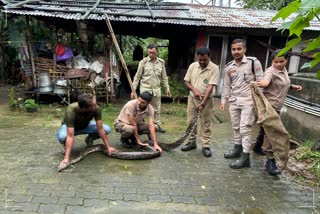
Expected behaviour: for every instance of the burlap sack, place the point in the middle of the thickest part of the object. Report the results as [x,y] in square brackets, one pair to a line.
[273,126]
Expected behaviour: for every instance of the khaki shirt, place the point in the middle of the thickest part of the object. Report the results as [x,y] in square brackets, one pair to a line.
[132,108]
[200,79]
[237,78]
[278,88]
[150,75]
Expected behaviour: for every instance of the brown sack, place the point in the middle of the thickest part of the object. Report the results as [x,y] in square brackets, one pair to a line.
[269,119]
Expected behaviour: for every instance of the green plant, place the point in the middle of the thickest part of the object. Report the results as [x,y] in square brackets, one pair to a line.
[30,104]
[13,102]
[177,88]
[309,156]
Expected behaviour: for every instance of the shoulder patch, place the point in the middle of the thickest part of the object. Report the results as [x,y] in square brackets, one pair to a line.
[161,60]
[145,60]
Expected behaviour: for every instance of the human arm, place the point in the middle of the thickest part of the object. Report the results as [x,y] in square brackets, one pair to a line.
[137,78]
[258,71]
[104,137]
[296,87]
[164,80]
[195,91]
[263,83]
[205,98]
[133,123]
[226,89]
[68,144]
[153,134]
[266,80]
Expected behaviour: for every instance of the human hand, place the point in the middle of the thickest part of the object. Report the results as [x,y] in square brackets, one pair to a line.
[132,95]
[157,147]
[169,93]
[201,106]
[221,107]
[297,87]
[196,93]
[142,144]
[112,149]
[254,83]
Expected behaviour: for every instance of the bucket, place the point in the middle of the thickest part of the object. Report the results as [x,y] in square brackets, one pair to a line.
[45,84]
[44,80]
[60,87]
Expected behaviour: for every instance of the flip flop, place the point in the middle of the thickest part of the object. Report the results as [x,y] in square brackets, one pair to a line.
[62,166]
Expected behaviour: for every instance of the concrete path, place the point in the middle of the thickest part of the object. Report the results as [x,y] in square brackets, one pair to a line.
[176,182]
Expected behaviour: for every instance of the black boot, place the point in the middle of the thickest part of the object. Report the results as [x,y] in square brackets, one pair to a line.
[244,161]
[259,141]
[189,146]
[125,142]
[160,130]
[133,140]
[271,167]
[90,138]
[235,152]
[206,151]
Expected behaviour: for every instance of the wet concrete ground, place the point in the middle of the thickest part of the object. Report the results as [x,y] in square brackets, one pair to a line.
[176,182]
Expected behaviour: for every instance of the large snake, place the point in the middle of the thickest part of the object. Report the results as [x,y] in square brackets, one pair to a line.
[150,153]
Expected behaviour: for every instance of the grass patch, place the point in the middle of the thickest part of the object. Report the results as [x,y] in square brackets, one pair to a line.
[306,155]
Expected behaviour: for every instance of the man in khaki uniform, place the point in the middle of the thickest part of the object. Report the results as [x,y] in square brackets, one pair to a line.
[201,79]
[151,73]
[236,89]
[130,121]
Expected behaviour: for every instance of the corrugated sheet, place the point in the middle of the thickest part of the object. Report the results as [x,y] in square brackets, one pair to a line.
[172,13]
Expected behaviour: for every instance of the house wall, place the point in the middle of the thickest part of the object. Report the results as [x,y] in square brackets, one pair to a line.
[310,91]
[258,41]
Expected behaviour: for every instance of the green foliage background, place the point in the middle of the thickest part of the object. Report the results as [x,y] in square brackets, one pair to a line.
[296,18]
[264,4]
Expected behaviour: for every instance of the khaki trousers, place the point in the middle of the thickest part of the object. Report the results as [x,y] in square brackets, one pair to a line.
[242,118]
[156,104]
[206,116]
[127,130]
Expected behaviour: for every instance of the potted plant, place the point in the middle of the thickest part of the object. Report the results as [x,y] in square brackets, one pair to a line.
[30,105]
[13,102]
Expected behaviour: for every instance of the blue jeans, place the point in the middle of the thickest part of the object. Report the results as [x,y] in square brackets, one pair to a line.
[90,129]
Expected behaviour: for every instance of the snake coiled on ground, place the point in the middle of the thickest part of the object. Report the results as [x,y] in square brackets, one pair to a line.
[140,155]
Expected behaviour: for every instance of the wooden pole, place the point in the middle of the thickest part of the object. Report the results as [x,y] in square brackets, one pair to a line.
[28,35]
[107,85]
[124,65]
[111,74]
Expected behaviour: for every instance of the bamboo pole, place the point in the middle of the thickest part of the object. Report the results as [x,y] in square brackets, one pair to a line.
[124,65]
[28,35]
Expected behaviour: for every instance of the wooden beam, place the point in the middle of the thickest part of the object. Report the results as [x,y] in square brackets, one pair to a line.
[28,35]
[124,65]
[150,10]
[91,9]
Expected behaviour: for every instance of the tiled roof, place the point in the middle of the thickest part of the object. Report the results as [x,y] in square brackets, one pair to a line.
[171,13]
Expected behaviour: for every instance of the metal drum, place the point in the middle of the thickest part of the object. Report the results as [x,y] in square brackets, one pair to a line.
[45,84]
[60,87]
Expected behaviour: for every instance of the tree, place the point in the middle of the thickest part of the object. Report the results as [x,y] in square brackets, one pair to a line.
[296,18]
[264,4]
